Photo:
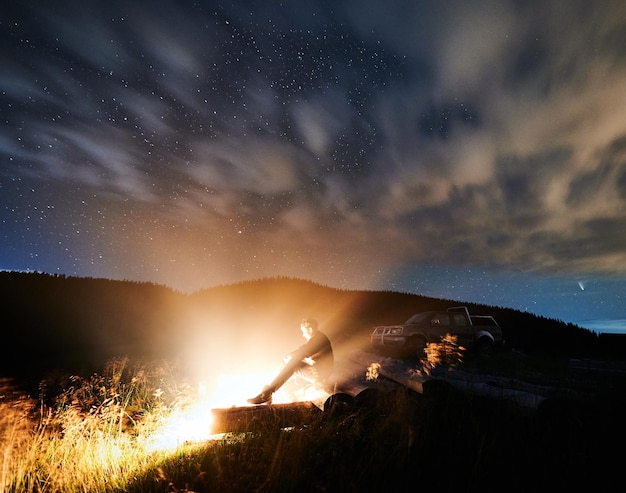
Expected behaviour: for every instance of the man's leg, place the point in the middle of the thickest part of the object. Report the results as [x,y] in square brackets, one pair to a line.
[285,374]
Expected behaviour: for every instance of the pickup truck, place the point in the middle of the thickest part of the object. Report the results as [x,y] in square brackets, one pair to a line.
[479,333]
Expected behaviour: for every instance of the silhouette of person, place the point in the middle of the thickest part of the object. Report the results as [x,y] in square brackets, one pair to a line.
[313,360]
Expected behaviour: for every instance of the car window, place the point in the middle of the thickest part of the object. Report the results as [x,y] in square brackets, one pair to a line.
[459,320]
[419,317]
[441,319]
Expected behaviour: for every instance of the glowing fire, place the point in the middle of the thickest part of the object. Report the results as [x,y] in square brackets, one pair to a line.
[195,423]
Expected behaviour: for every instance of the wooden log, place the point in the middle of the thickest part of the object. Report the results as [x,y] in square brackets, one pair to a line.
[392,369]
[352,377]
[484,385]
[347,389]
[265,416]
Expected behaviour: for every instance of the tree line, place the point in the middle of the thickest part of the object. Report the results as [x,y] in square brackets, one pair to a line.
[57,322]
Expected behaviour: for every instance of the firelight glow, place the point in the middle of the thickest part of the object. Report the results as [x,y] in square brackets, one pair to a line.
[469,150]
[232,390]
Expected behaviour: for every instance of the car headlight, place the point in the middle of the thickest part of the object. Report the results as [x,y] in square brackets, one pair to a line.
[396,331]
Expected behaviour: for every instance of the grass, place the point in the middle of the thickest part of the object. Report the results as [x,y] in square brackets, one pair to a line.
[90,435]
[96,434]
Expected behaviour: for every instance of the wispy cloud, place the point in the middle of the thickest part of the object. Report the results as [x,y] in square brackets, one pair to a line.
[470,132]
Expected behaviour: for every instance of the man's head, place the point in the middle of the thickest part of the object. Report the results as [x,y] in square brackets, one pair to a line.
[308,326]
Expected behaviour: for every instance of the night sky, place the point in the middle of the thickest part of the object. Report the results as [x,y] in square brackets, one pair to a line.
[466,150]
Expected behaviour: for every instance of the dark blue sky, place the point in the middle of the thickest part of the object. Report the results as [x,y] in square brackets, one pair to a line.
[467,150]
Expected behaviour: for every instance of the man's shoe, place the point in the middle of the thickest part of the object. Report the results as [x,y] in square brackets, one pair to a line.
[263,397]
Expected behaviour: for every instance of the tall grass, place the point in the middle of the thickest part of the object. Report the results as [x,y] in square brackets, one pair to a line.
[90,434]
[18,440]
[95,434]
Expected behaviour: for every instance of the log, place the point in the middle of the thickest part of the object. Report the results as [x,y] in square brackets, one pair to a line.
[392,369]
[264,416]
[484,385]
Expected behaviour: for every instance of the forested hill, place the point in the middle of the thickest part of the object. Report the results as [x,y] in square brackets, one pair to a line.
[77,324]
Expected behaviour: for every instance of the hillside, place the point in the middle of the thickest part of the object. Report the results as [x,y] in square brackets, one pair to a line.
[77,324]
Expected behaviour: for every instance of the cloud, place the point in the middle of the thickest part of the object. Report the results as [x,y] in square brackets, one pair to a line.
[320,123]
[543,105]
[472,46]
[467,132]
[258,166]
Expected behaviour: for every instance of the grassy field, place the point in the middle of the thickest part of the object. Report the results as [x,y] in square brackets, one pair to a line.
[103,434]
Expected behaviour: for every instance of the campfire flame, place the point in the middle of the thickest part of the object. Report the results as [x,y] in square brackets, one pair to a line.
[195,423]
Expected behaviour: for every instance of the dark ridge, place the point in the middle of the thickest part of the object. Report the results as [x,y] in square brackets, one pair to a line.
[54,322]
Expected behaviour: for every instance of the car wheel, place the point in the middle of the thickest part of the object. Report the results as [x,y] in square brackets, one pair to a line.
[484,347]
[338,404]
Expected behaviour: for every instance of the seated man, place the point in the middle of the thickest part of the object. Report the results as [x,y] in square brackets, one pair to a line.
[314,360]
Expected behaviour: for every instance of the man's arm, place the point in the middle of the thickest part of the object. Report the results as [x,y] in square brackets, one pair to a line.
[312,347]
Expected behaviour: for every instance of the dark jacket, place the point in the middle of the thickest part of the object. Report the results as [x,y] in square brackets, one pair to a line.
[320,350]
